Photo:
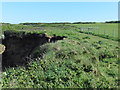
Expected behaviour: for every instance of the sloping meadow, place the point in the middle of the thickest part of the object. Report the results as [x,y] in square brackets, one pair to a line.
[79,61]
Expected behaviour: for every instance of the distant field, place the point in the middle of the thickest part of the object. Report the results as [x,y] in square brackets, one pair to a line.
[100,28]
[104,30]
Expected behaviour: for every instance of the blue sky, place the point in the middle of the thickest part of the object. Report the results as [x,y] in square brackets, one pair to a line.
[19,12]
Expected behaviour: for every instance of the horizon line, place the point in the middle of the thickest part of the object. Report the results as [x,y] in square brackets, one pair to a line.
[64,22]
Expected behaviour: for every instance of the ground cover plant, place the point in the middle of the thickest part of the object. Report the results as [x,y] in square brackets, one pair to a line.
[79,61]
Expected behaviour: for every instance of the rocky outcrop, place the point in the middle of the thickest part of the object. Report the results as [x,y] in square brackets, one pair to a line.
[2,48]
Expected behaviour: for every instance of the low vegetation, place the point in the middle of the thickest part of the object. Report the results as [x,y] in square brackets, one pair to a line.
[104,30]
[79,61]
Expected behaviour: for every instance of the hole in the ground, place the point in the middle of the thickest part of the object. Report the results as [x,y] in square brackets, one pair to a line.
[20,46]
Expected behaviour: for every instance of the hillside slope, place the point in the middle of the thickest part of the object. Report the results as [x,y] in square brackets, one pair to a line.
[79,61]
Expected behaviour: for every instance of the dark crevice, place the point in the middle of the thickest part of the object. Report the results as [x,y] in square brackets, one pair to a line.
[20,46]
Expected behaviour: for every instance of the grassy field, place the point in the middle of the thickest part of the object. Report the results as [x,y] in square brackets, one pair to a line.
[110,29]
[105,30]
[79,61]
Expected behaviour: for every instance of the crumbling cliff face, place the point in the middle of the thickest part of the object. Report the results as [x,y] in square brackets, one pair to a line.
[20,46]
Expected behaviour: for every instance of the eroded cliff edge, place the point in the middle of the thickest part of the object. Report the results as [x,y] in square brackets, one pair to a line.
[19,46]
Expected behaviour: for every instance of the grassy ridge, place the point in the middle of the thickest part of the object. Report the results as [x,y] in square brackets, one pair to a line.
[79,61]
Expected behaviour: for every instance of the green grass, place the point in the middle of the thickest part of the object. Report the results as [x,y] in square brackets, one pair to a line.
[79,61]
[104,29]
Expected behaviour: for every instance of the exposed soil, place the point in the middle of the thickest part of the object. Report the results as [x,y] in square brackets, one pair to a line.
[19,47]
